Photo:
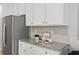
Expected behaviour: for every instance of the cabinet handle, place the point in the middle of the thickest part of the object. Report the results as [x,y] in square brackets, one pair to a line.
[45,52]
[31,47]
[24,50]
[44,22]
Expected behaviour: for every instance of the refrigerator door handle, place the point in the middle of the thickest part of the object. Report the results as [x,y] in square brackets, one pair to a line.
[4,34]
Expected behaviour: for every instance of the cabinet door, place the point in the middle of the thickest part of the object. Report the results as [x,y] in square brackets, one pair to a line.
[21,8]
[28,49]
[67,13]
[15,10]
[55,13]
[46,51]
[25,48]
[18,9]
[37,50]
[8,9]
[38,14]
[28,11]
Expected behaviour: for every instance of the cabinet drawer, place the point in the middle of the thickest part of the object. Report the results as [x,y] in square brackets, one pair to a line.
[46,51]
[25,52]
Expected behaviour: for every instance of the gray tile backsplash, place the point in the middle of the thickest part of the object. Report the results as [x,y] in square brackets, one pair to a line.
[60,32]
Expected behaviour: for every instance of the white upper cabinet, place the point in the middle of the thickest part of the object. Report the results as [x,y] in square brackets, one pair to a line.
[38,14]
[8,9]
[21,8]
[18,9]
[45,14]
[35,14]
[29,14]
[13,9]
[55,13]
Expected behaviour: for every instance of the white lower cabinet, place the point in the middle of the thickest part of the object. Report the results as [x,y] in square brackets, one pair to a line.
[29,49]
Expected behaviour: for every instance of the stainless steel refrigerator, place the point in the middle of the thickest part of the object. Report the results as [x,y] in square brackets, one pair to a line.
[13,30]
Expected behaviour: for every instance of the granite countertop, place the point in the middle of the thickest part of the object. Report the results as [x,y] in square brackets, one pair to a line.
[57,46]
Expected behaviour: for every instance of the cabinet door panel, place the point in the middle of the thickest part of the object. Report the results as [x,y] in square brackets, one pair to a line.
[8,9]
[25,48]
[11,9]
[28,10]
[21,8]
[37,50]
[49,52]
[55,13]
[39,13]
